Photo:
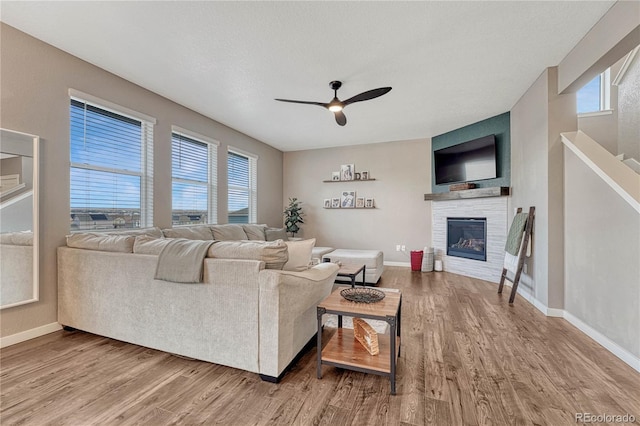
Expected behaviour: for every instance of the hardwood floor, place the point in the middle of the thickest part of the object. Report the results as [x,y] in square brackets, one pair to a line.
[468,358]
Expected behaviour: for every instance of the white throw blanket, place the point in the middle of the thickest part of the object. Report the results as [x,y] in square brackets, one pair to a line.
[181,261]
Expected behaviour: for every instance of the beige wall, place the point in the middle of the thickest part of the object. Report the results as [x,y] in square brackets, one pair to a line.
[602,258]
[629,111]
[402,173]
[530,177]
[35,80]
[617,32]
[537,120]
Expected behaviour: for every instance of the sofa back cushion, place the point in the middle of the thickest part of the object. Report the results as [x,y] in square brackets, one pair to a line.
[145,244]
[198,232]
[273,234]
[299,254]
[273,253]
[228,232]
[255,232]
[20,238]
[152,232]
[102,242]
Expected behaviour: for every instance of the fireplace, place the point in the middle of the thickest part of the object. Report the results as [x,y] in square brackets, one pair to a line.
[466,237]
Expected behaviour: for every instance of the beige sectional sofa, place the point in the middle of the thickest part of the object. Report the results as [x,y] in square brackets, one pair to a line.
[242,315]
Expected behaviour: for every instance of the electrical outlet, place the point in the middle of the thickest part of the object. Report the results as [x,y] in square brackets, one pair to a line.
[397,247]
[403,248]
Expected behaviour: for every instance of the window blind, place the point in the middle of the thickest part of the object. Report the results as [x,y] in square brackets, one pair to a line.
[242,192]
[111,169]
[194,175]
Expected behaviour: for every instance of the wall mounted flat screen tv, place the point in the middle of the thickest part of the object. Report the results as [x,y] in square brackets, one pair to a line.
[466,162]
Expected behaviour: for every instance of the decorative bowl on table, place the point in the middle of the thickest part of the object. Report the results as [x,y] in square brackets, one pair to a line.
[362,294]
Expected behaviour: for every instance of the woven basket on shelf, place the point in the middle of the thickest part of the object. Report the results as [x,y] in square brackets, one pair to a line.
[366,335]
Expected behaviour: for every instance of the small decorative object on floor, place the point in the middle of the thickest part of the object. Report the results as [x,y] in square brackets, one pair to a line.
[366,335]
[362,295]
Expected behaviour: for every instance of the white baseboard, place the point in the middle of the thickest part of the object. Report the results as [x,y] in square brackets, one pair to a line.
[626,356]
[29,334]
[603,340]
[403,264]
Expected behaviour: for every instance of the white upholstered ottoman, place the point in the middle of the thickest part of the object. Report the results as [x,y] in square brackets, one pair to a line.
[372,259]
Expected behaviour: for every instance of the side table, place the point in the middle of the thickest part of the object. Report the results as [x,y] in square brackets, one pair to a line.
[342,350]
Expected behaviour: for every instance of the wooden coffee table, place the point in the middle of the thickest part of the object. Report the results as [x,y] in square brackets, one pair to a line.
[342,350]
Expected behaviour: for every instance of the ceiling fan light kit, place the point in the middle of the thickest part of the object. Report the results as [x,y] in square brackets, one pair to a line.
[336,105]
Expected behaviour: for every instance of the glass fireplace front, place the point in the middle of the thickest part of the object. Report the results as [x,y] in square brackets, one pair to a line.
[466,237]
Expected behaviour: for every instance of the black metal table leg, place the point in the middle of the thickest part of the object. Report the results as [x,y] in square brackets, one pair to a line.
[319,313]
[364,273]
[392,323]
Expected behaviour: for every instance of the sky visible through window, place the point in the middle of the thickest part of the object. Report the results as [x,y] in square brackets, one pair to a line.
[588,98]
[104,140]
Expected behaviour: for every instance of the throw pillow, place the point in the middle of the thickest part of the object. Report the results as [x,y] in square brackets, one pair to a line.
[299,254]
[255,232]
[102,242]
[145,244]
[198,232]
[228,232]
[272,253]
[273,234]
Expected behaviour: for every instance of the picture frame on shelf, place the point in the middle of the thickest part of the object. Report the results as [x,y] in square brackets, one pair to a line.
[335,203]
[347,171]
[356,176]
[327,203]
[364,175]
[348,199]
[369,203]
[360,202]
[335,176]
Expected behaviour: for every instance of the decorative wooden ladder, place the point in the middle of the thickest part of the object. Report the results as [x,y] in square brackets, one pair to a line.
[521,255]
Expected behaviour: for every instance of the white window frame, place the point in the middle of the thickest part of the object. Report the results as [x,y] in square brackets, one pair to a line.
[146,175]
[212,168]
[605,96]
[253,182]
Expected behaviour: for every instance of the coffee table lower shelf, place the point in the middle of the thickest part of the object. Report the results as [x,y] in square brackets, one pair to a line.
[343,350]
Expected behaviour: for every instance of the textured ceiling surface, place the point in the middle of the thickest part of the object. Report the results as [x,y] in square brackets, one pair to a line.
[449,63]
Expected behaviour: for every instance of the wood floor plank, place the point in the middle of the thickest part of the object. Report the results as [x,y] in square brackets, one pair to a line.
[468,358]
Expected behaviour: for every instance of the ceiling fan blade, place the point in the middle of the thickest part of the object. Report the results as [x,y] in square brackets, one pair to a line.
[341,119]
[303,102]
[369,94]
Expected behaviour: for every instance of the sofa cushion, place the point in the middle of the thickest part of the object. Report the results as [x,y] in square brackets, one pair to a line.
[23,238]
[152,232]
[228,232]
[255,232]
[101,242]
[145,244]
[273,234]
[198,232]
[299,254]
[273,253]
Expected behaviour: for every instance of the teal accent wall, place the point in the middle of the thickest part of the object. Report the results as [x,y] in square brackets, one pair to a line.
[500,125]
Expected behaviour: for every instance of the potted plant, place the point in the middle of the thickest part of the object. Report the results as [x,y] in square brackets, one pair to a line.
[293,216]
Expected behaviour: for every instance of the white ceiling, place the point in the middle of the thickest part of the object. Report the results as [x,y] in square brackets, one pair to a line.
[449,63]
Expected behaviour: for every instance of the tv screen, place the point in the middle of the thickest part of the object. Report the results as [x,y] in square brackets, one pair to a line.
[465,162]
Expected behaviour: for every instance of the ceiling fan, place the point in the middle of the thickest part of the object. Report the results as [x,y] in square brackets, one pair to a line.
[336,105]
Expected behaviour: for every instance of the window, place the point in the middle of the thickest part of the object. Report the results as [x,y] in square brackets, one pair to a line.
[594,96]
[111,152]
[242,176]
[194,161]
